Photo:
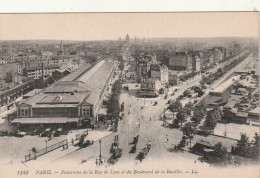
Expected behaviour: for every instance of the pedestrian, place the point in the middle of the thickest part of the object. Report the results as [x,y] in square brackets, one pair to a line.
[72,141]
[150,118]
[167,139]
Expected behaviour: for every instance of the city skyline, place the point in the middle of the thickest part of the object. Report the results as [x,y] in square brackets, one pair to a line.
[111,26]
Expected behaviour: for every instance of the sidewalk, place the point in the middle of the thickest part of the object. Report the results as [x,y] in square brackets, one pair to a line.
[60,152]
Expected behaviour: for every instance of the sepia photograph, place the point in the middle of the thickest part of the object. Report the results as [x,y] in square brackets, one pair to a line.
[129,94]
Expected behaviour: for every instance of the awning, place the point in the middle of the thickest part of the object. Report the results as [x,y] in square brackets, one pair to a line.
[45,120]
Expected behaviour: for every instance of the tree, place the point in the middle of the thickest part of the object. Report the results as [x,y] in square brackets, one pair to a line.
[65,73]
[243,145]
[219,155]
[56,75]
[211,121]
[175,106]
[218,113]
[198,90]
[39,83]
[188,132]
[255,147]
[49,81]
[198,114]
[187,108]
[180,116]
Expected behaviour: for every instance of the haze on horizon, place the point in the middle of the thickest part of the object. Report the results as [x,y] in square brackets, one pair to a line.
[111,26]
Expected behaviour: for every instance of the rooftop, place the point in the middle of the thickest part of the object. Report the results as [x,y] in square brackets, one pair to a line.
[74,75]
[86,85]
[222,87]
[255,111]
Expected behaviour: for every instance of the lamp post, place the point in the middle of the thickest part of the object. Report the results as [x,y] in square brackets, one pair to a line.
[100,151]
[46,141]
[29,153]
[225,129]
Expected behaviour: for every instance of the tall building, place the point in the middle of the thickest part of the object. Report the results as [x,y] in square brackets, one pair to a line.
[159,71]
[180,61]
[127,38]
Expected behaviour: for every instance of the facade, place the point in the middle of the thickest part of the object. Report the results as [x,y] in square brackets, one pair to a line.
[150,87]
[180,61]
[173,78]
[143,67]
[9,96]
[37,72]
[160,72]
[70,102]
[196,60]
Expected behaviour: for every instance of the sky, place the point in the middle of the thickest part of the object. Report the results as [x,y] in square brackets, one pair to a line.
[111,26]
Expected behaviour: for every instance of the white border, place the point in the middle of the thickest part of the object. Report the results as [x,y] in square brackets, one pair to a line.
[45,6]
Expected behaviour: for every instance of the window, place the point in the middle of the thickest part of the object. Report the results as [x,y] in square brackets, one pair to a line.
[88,111]
[83,112]
[24,112]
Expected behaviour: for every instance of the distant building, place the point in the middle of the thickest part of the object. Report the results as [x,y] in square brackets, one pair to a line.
[37,72]
[180,61]
[207,58]
[127,38]
[237,48]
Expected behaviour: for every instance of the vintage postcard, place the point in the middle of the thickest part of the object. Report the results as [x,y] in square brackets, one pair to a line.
[129,94]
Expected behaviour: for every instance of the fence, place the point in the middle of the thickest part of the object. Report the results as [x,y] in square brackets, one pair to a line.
[46,150]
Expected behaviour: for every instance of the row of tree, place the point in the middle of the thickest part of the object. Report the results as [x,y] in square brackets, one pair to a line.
[113,105]
[185,77]
[244,148]
[214,76]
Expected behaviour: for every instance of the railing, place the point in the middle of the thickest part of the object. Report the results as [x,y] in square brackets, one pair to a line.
[46,150]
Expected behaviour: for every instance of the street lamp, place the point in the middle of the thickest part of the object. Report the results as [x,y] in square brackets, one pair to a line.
[225,129]
[29,153]
[100,151]
[46,141]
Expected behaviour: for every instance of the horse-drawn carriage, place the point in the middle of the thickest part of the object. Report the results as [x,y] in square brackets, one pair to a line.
[83,142]
[144,152]
[133,149]
[115,151]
